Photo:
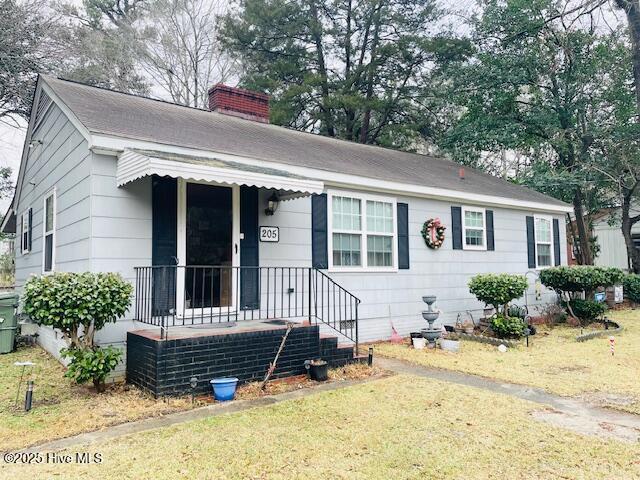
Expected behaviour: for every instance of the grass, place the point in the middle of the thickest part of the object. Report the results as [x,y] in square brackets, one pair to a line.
[554,362]
[60,407]
[398,427]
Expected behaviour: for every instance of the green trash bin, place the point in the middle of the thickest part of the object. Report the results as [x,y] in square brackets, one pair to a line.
[8,321]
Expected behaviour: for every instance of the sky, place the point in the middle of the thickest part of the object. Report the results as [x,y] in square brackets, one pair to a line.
[11,141]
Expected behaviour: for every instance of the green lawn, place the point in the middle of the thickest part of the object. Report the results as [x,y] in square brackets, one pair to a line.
[554,362]
[398,427]
[60,407]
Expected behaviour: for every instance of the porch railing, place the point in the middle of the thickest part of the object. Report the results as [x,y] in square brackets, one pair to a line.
[171,296]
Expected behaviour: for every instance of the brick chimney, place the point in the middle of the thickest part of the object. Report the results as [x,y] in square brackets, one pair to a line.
[239,103]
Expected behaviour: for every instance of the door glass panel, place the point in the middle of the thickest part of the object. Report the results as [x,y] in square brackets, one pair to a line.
[208,278]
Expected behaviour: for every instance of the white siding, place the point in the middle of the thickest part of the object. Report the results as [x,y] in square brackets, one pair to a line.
[120,231]
[396,297]
[63,161]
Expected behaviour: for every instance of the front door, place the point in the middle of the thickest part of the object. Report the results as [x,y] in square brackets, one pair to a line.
[209,247]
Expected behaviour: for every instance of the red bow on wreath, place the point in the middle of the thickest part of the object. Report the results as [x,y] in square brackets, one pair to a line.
[433,233]
[435,224]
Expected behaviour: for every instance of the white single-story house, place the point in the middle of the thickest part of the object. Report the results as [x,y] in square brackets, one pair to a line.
[216,215]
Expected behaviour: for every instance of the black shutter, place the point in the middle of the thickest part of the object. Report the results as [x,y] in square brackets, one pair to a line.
[21,233]
[164,243]
[491,244]
[531,243]
[249,249]
[319,246]
[456,227]
[30,234]
[403,236]
[556,241]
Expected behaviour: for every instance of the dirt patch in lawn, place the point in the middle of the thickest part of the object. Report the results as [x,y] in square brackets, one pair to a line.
[587,425]
[354,371]
[603,399]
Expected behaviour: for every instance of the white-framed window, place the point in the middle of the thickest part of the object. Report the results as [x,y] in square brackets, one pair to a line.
[25,231]
[544,241]
[362,232]
[49,232]
[474,228]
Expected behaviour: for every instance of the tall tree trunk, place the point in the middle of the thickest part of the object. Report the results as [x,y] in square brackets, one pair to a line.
[350,114]
[584,235]
[628,222]
[631,9]
[316,33]
[366,119]
[632,252]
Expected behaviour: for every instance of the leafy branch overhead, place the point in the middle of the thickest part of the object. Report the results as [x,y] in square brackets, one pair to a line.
[362,71]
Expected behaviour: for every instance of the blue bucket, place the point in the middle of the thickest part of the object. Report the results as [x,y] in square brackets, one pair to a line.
[224,389]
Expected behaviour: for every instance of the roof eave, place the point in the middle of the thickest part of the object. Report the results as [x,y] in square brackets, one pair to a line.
[113,145]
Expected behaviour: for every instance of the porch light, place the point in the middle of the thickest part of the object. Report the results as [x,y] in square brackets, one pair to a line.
[272,204]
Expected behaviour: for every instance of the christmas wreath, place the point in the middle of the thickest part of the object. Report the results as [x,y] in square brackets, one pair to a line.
[433,233]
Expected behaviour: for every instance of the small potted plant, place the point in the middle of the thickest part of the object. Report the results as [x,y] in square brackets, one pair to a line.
[449,341]
[319,370]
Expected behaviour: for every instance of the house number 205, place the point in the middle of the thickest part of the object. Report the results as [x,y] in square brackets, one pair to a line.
[269,234]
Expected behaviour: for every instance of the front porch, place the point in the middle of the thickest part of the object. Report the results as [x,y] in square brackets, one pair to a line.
[213,321]
[243,350]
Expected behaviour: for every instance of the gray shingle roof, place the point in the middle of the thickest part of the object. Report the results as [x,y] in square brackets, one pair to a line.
[107,112]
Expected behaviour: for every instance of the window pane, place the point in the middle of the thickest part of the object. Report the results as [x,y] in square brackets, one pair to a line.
[48,253]
[543,230]
[544,254]
[379,217]
[379,251]
[346,249]
[49,213]
[474,237]
[346,213]
[473,219]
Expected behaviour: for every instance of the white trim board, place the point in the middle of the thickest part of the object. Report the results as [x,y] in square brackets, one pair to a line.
[113,145]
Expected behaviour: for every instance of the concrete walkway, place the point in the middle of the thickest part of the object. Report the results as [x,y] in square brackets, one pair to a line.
[196,414]
[564,412]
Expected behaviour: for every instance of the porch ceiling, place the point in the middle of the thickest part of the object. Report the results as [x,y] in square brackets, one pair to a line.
[135,164]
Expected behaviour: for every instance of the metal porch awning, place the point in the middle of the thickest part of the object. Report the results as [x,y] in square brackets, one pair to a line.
[136,164]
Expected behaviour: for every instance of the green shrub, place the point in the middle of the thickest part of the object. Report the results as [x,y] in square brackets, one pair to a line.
[498,290]
[580,278]
[93,364]
[631,285]
[587,311]
[507,327]
[79,304]
[68,301]
[569,282]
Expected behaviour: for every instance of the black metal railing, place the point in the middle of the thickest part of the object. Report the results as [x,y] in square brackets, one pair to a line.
[170,296]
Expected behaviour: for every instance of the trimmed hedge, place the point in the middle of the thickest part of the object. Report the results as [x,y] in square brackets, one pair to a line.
[569,281]
[581,278]
[498,290]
